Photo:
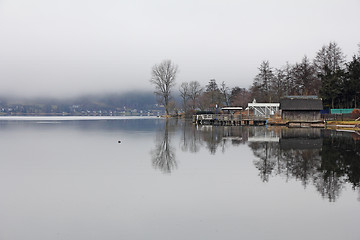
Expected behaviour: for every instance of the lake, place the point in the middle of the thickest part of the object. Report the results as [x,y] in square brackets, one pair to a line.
[148,178]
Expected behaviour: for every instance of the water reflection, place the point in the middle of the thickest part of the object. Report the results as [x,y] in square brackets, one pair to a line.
[213,138]
[163,155]
[294,154]
[340,163]
[324,159]
[190,138]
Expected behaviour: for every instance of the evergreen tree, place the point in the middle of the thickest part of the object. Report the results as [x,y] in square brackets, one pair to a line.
[212,95]
[262,83]
[329,59]
[278,84]
[289,83]
[329,64]
[331,86]
[307,83]
[353,81]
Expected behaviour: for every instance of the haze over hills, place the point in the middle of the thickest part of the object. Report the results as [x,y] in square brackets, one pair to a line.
[129,103]
[73,47]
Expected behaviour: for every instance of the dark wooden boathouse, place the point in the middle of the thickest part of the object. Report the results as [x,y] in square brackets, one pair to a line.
[301,108]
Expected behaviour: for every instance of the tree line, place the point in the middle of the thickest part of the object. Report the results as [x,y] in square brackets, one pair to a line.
[328,76]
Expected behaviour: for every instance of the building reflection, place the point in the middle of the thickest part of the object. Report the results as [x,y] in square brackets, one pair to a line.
[322,158]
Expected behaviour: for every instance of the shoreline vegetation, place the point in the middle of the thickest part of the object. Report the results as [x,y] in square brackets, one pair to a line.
[330,75]
[344,125]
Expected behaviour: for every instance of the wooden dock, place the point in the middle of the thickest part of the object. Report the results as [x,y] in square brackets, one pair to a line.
[229,120]
[251,120]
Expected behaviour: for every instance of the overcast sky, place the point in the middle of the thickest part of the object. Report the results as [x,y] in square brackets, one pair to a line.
[70,47]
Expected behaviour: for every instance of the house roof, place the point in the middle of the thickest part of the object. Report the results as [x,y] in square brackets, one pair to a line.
[301,103]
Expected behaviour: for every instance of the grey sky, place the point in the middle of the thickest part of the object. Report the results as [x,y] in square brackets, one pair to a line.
[67,47]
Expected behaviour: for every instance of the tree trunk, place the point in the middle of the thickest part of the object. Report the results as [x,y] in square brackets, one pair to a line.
[166,100]
[355,100]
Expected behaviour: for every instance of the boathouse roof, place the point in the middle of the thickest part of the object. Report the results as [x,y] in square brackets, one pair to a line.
[301,103]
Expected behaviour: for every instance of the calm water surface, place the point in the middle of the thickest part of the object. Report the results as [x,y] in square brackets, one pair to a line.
[69,178]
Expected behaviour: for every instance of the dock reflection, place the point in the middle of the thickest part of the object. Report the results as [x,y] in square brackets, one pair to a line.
[213,138]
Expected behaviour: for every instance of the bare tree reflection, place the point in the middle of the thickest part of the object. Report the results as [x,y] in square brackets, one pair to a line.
[265,145]
[304,164]
[163,156]
[265,161]
[211,135]
[329,185]
[190,138]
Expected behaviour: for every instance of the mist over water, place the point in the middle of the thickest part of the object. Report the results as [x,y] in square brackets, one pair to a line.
[72,179]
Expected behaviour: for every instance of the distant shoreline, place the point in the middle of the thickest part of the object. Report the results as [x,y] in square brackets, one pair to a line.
[71,118]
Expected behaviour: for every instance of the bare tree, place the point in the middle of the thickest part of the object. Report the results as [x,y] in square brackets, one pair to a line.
[163,77]
[195,91]
[184,94]
[224,90]
[240,97]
